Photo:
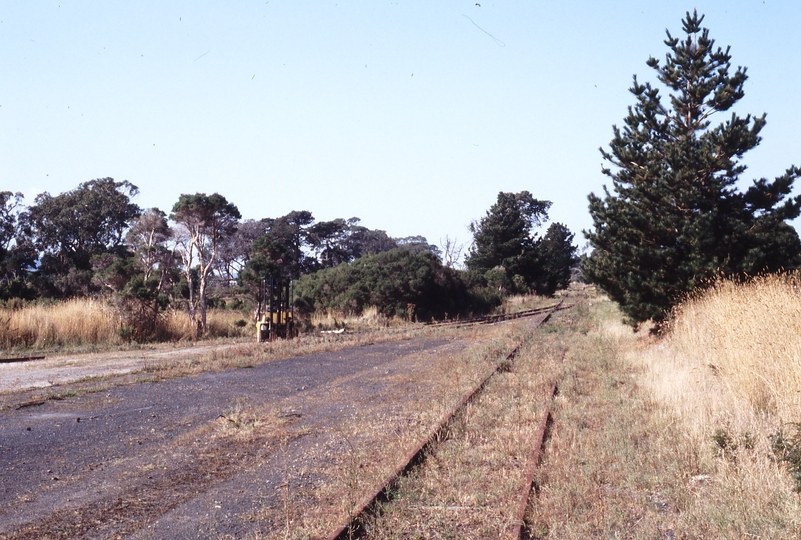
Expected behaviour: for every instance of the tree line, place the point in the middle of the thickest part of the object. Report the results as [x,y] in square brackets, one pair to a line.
[507,256]
[94,241]
[673,221]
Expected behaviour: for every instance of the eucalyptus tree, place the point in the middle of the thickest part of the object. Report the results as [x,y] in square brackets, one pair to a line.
[202,222]
[148,289]
[17,256]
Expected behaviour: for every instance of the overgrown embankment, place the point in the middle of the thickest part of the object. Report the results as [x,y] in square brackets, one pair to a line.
[729,372]
[686,436]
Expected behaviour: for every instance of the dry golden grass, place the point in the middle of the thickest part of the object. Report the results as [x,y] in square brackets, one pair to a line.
[747,337]
[94,323]
[729,372]
[522,302]
[64,324]
[221,323]
[370,318]
[81,323]
[633,454]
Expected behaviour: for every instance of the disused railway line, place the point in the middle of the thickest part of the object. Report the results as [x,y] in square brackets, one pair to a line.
[537,450]
[475,395]
[492,319]
[354,526]
[11,360]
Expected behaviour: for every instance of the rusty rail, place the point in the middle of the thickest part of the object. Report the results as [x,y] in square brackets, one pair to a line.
[534,460]
[491,319]
[20,359]
[354,526]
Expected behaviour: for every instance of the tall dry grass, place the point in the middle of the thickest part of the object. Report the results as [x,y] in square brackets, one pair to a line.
[90,322]
[748,337]
[369,319]
[76,322]
[728,374]
[221,323]
[522,302]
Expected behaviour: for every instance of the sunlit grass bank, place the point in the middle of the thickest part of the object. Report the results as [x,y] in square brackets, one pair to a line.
[88,322]
[729,373]
[675,436]
[746,339]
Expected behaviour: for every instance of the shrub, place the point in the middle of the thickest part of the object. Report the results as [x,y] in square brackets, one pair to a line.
[787,448]
[399,283]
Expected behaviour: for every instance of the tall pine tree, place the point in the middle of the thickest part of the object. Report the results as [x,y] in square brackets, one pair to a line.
[557,258]
[675,219]
[504,250]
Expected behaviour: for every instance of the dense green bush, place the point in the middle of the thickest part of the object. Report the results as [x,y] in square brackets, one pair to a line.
[398,282]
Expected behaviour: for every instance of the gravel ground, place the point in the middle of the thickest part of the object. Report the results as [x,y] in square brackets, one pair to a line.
[61,369]
[152,460]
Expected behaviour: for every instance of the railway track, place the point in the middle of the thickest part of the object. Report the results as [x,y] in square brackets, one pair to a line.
[20,359]
[492,319]
[535,457]
[354,526]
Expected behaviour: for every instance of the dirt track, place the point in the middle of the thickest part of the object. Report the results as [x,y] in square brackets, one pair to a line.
[156,460]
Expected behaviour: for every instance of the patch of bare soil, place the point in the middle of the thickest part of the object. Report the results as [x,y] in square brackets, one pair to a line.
[65,368]
[228,453]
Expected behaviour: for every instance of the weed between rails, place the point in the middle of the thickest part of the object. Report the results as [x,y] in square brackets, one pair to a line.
[611,462]
[470,480]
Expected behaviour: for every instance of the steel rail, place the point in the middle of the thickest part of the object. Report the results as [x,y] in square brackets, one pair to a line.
[20,359]
[489,319]
[354,526]
[534,460]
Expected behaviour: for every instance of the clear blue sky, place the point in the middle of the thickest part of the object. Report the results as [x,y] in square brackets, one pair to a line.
[411,115]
